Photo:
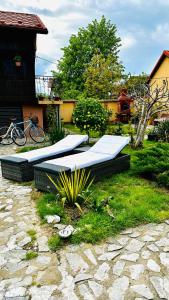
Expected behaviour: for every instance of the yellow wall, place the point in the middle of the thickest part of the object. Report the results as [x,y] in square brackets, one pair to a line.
[67,107]
[160,75]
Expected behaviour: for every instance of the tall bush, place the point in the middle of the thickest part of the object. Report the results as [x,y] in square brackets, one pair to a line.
[89,115]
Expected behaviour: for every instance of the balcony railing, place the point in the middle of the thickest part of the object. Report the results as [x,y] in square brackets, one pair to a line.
[45,87]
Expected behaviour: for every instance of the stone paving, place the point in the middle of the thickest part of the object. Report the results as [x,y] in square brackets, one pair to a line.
[132,265]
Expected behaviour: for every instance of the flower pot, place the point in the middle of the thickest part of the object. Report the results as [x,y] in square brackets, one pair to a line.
[18,63]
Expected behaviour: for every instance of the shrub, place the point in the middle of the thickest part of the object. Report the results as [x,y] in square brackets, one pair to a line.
[89,115]
[163,131]
[71,187]
[56,133]
[153,163]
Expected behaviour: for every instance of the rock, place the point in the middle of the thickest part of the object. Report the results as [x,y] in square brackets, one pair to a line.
[166,249]
[42,293]
[44,260]
[136,271]
[145,254]
[52,219]
[163,242]
[126,232]
[102,272]
[120,286]
[31,269]
[148,238]
[25,241]
[82,277]
[118,267]
[153,266]
[153,248]
[67,294]
[134,246]
[114,247]
[130,257]
[143,290]
[76,262]
[3,261]
[123,240]
[43,244]
[85,292]
[167,222]
[59,226]
[15,292]
[90,256]
[96,288]
[135,234]
[108,255]
[158,284]
[164,258]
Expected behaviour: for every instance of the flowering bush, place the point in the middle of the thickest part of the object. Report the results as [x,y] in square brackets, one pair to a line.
[89,115]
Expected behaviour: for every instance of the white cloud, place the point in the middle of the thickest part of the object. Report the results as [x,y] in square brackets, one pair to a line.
[161,34]
[128,41]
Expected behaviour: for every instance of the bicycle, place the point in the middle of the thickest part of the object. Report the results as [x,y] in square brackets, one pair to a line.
[15,134]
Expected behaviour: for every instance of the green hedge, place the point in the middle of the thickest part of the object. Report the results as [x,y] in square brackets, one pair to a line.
[153,163]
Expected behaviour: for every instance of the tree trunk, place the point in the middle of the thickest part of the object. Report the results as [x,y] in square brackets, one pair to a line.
[143,122]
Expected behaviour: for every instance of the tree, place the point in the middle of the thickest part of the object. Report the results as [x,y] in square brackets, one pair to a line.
[98,36]
[101,75]
[89,115]
[149,100]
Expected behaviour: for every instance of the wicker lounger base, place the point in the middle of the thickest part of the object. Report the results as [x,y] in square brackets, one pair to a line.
[19,169]
[98,171]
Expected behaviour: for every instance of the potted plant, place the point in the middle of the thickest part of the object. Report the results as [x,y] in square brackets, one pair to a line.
[18,60]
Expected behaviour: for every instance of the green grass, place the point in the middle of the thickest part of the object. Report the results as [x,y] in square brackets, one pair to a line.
[55,242]
[47,205]
[30,255]
[27,148]
[133,201]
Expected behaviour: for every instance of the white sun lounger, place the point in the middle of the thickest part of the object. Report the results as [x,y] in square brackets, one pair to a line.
[19,166]
[102,159]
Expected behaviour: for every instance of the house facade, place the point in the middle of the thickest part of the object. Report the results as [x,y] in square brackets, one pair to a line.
[18,33]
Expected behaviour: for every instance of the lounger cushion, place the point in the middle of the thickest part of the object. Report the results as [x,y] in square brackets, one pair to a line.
[67,144]
[105,149]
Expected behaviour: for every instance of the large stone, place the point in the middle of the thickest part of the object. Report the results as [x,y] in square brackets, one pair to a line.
[108,255]
[90,256]
[15,292]
[3,261]
[119,288]
[44,260]
[85,293]
[135,245]
[145,254]
[142,290]
[130,257]
[42,293]
[136,271]
[153,266]
[102,272]
[52,219]
[148,238]
[153,248]
[114,247]
[76,262]
[43,244]
[82,277]
[164,258]
[25,241]
[158,284]
[96,288]
[118,267]
[163,242]
[123,240]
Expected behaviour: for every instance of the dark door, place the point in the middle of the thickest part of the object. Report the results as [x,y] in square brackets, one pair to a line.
[7,112]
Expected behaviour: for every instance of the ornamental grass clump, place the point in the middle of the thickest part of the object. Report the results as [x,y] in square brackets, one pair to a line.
[73,189]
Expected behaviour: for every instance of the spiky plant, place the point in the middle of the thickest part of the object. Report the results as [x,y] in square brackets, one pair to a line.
[71,187]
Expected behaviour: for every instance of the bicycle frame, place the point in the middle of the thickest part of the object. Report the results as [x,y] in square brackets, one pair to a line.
[30,123]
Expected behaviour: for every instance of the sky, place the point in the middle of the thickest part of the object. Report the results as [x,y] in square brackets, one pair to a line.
[142,25]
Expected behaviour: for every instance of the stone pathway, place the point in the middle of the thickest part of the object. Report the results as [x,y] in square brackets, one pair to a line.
[132,265]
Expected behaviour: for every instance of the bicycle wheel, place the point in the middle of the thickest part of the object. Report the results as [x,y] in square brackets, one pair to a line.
[18,136]
[5,138]
[37,134]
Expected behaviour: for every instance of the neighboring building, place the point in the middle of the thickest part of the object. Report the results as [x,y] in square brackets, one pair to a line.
[17,65]
[159,74]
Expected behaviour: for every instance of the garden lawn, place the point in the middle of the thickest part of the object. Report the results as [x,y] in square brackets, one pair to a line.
[132,201]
